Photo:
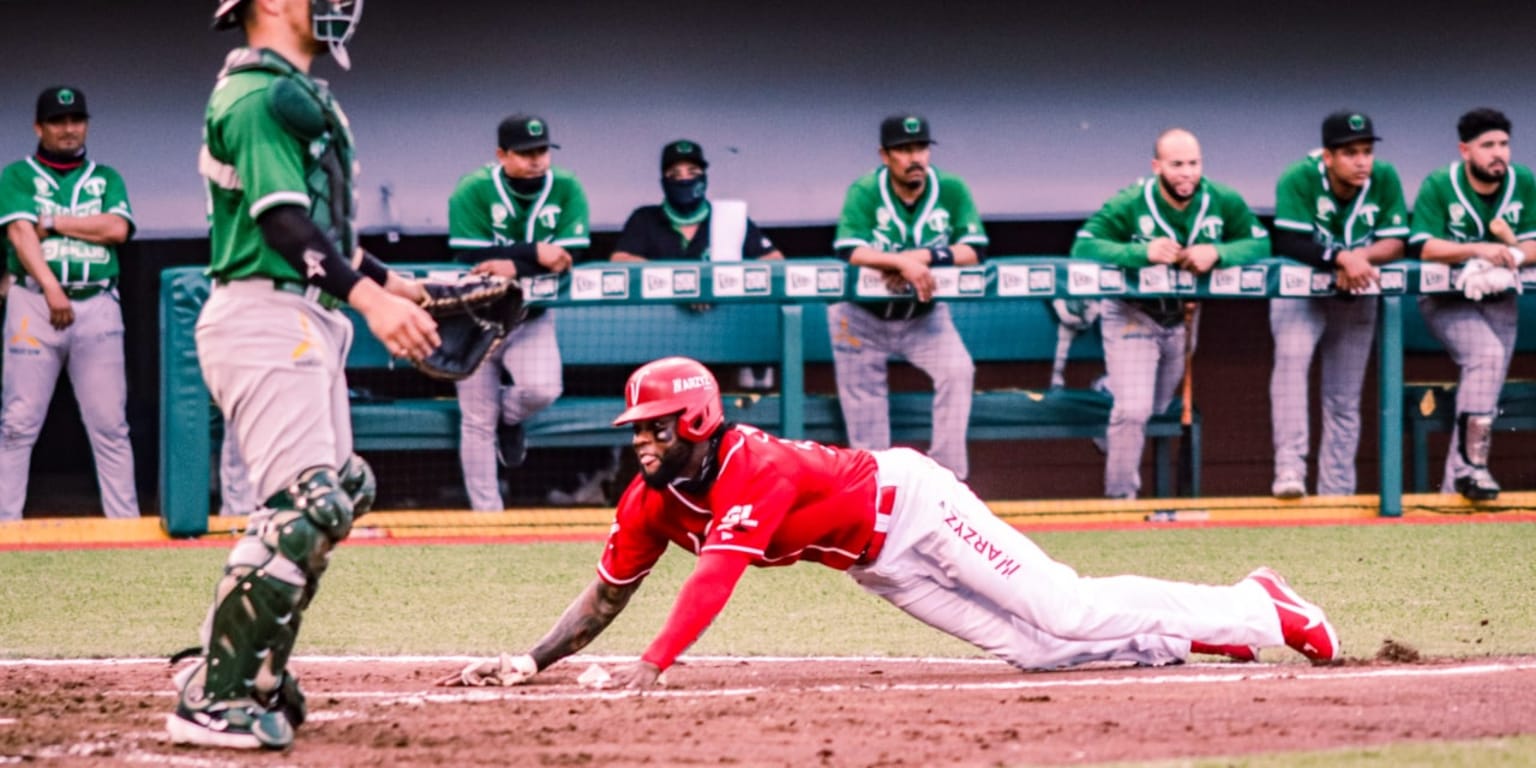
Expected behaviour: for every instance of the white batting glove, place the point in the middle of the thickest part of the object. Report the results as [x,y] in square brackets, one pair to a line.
[1499,280]
[503,670]
[1470,279]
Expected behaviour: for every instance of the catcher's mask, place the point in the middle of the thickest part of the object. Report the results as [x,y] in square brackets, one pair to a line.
[674,385]
[333,22]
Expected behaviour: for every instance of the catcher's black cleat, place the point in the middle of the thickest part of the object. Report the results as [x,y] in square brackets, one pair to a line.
[1479,485]
[511,445]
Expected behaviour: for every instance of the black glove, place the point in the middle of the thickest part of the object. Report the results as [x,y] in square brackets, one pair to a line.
[473,316]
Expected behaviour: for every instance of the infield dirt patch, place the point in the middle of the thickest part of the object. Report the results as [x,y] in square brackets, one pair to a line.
[786,713]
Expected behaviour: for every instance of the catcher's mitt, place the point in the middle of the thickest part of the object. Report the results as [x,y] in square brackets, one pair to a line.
[473,316]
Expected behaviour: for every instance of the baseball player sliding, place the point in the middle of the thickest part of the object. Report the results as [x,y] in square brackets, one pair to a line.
[901,525]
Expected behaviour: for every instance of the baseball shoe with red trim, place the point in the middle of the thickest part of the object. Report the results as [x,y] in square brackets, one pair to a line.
[1242,653]
[1303,625]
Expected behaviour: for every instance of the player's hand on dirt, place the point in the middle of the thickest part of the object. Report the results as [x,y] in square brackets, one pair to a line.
[61,313]
[1353,271]
[1500,229]
[1199,259]
[405,329]
[553,257]
[634,676]
[1162,250]
[502,670]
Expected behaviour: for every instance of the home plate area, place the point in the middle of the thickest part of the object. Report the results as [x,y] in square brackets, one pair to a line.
[781,712]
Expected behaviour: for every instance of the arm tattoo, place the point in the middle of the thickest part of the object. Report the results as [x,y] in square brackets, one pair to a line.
[586,618]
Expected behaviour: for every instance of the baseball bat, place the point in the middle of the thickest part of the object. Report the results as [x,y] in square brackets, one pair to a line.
[1186,475]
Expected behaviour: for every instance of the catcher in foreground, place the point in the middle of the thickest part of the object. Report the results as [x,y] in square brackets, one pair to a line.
[902,526]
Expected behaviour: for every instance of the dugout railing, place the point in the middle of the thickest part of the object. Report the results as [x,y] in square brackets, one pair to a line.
[761,317]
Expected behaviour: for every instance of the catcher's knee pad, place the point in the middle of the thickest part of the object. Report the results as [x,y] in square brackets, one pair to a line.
[270,577]
[358,481]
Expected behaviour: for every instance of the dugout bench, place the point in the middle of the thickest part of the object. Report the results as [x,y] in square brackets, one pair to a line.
[787,335]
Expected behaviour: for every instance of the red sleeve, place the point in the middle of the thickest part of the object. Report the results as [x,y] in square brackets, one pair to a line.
[700,600]
[750,499]
[633,545]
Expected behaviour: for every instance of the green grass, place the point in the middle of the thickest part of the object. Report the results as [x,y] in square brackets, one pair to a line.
[1486,753]
[1449,590]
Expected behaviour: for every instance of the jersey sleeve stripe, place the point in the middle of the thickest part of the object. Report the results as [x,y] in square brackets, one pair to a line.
[580,242]
[468,242]
[1421,237]
[19,216]
[1085,234]
[1392,232]
[608,577]
[975,240]
[731,548]
[849,242]
[1526,236]
[278,198]
[1294,226]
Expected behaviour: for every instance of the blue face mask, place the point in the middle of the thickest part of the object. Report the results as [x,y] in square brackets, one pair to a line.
[685,195]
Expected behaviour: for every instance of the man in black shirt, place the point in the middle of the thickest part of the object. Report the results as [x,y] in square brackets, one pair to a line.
[680,228]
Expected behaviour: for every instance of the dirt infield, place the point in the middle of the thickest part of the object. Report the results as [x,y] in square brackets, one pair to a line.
[785,712]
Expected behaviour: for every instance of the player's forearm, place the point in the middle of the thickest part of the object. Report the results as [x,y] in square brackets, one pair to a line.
[1110,252]
[1302,247]
[100,228]
[288,230]
[1447,252]
[1245,251]
[866,256]
[586,618]
[1385,250]
[23,236]
[626,256]
[701,599]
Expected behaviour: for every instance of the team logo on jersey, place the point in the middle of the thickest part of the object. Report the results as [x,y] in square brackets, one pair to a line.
[1457,213]
[1512,212]
[882,218]
[1325,208]
[42,187]
[96,187]
[549,215]
[1212,228]
[499,214]
[938,220]
[1147,226]
[1369,212]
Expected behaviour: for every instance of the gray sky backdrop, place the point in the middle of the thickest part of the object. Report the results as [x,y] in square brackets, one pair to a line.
[1045,108]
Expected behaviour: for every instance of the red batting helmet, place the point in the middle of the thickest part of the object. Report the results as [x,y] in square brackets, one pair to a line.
[674,385]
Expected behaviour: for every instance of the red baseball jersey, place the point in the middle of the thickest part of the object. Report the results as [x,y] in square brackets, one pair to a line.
[774,500]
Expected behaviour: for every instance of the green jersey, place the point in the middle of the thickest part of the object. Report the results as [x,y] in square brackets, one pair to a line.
[273,136]
[872,215]
[1306,203]
[485,212]
[30,189]
[1216,215]
[1449,208]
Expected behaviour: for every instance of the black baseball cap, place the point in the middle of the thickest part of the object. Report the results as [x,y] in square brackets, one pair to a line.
[520,133]
[1344,127]
[897,130]
[59,101]
[682,151]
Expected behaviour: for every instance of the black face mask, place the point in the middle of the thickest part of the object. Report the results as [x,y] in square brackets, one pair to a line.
[685,195]
[527,187]
[60,158]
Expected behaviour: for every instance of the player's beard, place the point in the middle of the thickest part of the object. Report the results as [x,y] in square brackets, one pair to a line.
[1173,194]
[913,186]
[673,461]
[1488,175]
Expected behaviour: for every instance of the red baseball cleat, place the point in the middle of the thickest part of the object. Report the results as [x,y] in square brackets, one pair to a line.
[1243,653]
[1302,624]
